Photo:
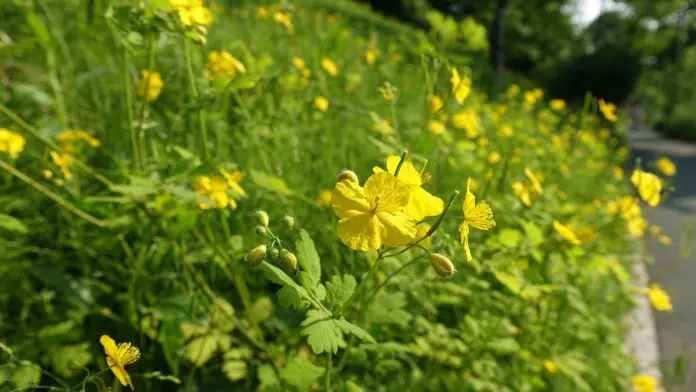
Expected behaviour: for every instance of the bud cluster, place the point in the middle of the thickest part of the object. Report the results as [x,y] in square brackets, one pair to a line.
[272,249]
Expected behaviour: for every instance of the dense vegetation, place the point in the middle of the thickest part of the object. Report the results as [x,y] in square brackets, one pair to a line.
[174,177]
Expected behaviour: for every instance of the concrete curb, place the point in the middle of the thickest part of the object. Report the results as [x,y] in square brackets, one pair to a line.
[642,336]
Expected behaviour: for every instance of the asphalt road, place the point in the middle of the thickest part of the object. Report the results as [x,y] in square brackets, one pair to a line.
[672,269]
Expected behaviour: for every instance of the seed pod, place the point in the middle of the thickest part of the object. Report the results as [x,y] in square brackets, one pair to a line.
[261,230]
[289,221]
[348,175]
[442,265]
[288,259]
[262,218]
[256,256]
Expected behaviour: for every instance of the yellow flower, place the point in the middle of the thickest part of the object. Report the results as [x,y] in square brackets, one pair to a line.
[478,215]
[649,186]
[321,103]
[150,85]
[384,127]
[666,166]
[215,189]
[618,173]
[262,12]
[534,179]
[523,192]
[202,16]
[530,97]
[284,19]
[585,234]
[11,143]
[192,12]
[513,90]
[608,110]
[388,91]
[557,104]
[435,103]
[233,180]
[550,366]
[460,86]
[118,356]
[373,216]
[494,157]
[659,298]
[222,65]
[566,233]
[324,198]
[371,55]
[64,162]
[298,62]
[664,239]
[644,383]
[468,120]
[506,131]
[70,136]
[422,203]
[436,127]
[329,66]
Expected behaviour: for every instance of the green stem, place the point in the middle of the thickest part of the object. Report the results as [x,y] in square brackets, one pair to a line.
[62,202]
[393,274]
[129,111]
[328,373]
[202,128]
[142,140]
[404,156]
[358,289]
[22,124]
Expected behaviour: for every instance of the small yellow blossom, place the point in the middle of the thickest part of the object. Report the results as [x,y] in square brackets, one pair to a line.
[298,62]
[70,136]
[460,86]
[494,157]
[659,298]
[262,12]
[64,162]
[664,239]
[284,19]
[324,198]
[372,216]
[557,104]
[388,91]
[11,143]
[233,179]
[436,127]
[566,233]
[371,55]
[329,66]
[506,131]
[535,180]
[150,85]
[649,186]
[666,166]
[513,90]
[192,12]
[384,127]
[550,366]
[644,383]
[321,103]
[618,173]
[214,188]
[468,120]
[435,103]
[478,215]
[222,65]
[118,356]
[523,192]
[421,203]
[608,110]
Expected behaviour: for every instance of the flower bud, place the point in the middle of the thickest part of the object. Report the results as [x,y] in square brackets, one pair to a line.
[288,259]
[261,230]
[442,265]
[348,175]
[275,253]
[256,256]
[289,221]
[261,218]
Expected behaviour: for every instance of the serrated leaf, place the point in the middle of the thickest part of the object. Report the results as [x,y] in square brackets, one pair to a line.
[201,349]
[279,276]
[301,373]
[350,328]
[260,310]
[266,375]
[289,298]
[338,289]
[323,334]
[308,260]
[12,224]
[512,282]
[388,309]
[69,360]
[270,182]
[26,375]
[235,370]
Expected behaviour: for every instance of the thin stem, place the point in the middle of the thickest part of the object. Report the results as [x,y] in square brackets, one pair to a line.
[404,156]
[202,128]
[142,142]
[62,202]
[358,289]
[393,274]
[22,124]
[328,373]
[129,110]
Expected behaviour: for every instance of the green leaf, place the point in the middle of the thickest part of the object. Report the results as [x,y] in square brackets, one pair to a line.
[267,375]
[279,276]
[338,290]
[323,334]
[504,346]
[26,375]
[301,373]
[39,30]
[67,361]
[388,309]
[532,232]
[235,370]
[188,195]
[270,183]
[289,298]
[12,224]
[138,189]
[260,310]
[201,349]
[510,238]
[308,259]
[33,93]
[350,328]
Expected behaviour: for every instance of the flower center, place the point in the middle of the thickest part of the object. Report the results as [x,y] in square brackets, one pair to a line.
[377,200]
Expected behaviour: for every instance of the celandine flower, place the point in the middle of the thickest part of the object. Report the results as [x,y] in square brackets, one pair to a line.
[460,86]
[478,215]
[222,65]
[150,85]
[11,143]
[608,110]
[118,356]
[329,66]
[649,186]
[659,298]
[644,383]
[373,216]
[321,103]
[566,233]
[666,166]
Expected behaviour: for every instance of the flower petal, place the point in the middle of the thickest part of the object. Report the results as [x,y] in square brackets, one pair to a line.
[407,172]
[361,231]
[398,229]
[423,204]
[393,194]
[464,237]
[109,344]
[347,198]
[120,372]
[481,217]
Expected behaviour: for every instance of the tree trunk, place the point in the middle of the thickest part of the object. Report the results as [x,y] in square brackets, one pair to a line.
[497,40]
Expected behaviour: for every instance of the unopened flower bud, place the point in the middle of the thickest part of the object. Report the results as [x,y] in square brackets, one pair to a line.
[275,253]
[262,218]
[289,221]
[261,230]
[442,265]
[256,256]
[348,175]
[288,259]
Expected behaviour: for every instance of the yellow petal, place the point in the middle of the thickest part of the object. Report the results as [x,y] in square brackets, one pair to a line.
[407,172]
[566,233]
[109,344]
[393,194]
[469,199]
[649,186]
[120,373]
[423,204]
[349,197]
[127,354]
[464,237]
[360,231]
[481,217]
[397,229]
